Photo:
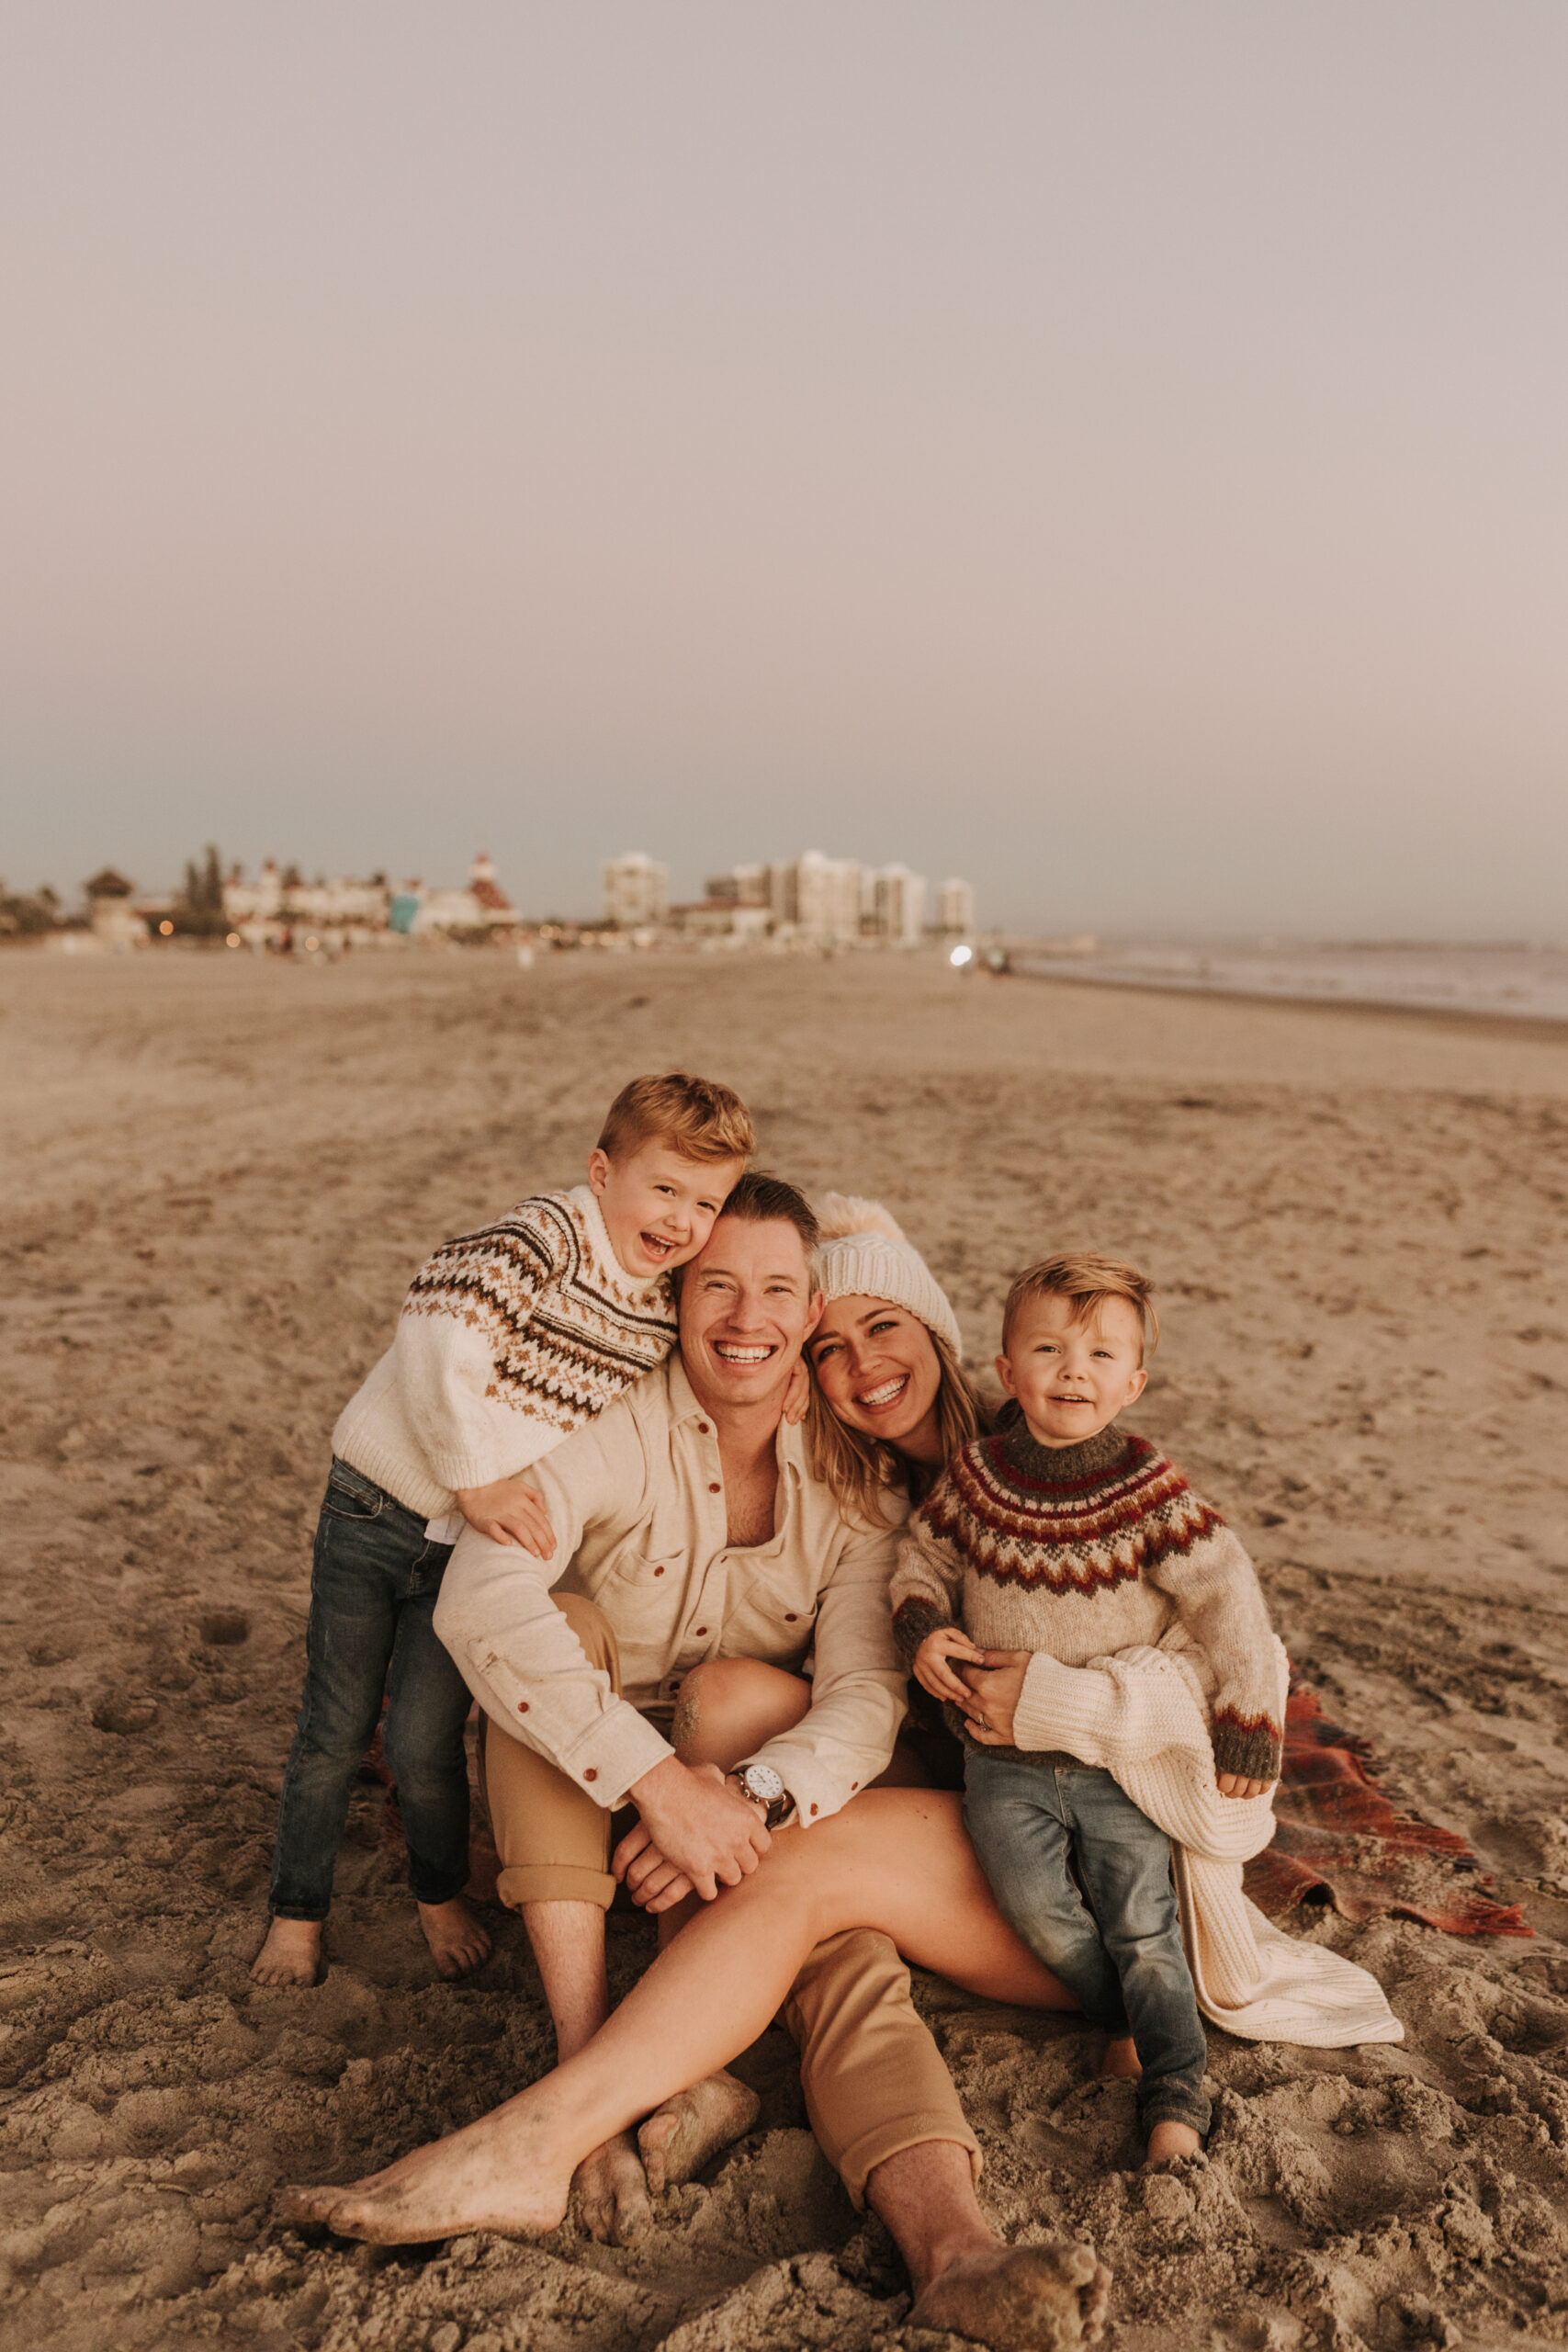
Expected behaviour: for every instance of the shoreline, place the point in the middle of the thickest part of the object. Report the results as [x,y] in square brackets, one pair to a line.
[1546,1026]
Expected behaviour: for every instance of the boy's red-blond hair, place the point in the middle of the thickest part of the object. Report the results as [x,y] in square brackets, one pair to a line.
[1084,1277]
[703,1120]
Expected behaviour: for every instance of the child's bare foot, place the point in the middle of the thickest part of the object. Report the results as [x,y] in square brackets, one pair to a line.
[1120,2063]
[1169,2142]
[458,1944]
[610,2190]
[291,1954]
[679,2137]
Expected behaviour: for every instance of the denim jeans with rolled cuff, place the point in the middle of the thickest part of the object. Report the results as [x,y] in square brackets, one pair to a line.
[373,1590]
[1116,1944]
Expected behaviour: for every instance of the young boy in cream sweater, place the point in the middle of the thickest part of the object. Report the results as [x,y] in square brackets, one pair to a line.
[508,1339]
[1065,1537]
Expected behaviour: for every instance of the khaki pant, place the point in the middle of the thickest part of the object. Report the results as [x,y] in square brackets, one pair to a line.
[873,2079]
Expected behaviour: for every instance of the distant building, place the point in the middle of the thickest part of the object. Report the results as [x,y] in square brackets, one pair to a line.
[743,886]
[636,891]
[115,920]
[721,919]
[899,906]
[817,897]
[494,905]
[955,909]
[257,901]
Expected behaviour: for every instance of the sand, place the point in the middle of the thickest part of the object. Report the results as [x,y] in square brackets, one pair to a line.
[218,1176]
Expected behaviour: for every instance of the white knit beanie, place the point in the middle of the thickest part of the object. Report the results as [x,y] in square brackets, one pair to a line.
[862,1252]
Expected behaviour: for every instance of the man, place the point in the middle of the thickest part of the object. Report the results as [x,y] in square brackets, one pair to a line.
[693,1530]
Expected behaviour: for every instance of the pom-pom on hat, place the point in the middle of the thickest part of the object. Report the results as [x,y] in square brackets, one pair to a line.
[862,1252]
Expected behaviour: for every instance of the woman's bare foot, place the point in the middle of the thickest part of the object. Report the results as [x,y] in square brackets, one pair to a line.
[680,2136]
[458,1944]
[609,2189]
[1120,2063]
[1169,2142]
[498,2174]
[1019,2297]
[291,1954]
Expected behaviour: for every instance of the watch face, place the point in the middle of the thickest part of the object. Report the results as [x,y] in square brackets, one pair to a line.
[761,1781]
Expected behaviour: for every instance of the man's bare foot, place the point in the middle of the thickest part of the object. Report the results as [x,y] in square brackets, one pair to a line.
[610,2192]
[1120,2063]
[458,1944]
[498,2174]
[291,1954]
[1169,2143]
[1019,2297]
[679,2137]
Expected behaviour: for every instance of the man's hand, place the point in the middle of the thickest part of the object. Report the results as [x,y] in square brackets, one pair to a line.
[1231,1784]
[695,1834]
[508,1511]
[992,1690]
[932,1671]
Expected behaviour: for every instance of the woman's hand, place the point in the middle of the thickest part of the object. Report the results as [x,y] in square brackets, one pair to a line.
[992,1690]
[932,1671]
[1231,1784]
[508,1511]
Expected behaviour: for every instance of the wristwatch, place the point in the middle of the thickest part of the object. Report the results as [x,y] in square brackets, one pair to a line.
[763,1786]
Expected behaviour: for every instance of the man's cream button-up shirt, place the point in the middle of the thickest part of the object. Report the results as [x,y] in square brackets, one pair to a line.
[636,1502]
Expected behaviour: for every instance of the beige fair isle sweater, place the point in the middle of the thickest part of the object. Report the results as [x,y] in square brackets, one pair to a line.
[510,1338]
[1077,1552]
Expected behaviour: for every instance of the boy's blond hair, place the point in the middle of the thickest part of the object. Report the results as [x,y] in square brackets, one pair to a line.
[1084,1277]
[703,1120]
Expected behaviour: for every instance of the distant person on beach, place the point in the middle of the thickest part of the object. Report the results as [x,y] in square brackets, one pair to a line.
[510,1338]
[1067,1538]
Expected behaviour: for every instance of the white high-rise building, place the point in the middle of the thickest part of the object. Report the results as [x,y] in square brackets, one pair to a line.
[637,891]
[900,902]
[817,896]
[955,909]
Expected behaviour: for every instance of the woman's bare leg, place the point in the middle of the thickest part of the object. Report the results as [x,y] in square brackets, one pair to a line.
[728,1708]
[897,1860]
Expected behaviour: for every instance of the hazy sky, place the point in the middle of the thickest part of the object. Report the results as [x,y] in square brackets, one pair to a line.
[1115,451]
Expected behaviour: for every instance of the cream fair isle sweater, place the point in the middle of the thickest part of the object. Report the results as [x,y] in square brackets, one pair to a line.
[508,1339]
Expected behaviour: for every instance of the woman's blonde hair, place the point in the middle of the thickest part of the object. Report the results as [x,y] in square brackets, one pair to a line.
[859,1470]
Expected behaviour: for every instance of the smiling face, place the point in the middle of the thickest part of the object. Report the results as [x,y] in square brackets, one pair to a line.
[876,1365]
[746,1306]
[658,1206]
[1073,1372]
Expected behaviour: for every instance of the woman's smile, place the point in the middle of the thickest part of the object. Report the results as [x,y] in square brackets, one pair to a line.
[877,1400]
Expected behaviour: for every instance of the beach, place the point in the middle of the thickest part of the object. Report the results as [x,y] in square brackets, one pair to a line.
[218,1174]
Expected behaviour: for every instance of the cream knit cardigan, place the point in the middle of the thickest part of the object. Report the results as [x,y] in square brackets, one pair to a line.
[1140,1716]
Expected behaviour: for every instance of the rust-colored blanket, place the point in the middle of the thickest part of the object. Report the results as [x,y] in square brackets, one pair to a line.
[1339,1839]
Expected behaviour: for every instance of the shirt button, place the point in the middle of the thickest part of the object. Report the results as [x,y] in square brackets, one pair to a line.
[789,1616]
[814,1808]
[714,1487]
[700,1630]
[659,1572]
[522,1706]
[703,1428]
[591,1775]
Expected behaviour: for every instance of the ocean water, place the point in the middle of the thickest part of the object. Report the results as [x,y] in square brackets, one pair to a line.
[1509,982]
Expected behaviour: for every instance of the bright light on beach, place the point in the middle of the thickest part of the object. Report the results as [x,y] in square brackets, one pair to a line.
[960,957]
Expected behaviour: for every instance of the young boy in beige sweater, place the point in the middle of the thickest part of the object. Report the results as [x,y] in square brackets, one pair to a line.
[508,1339]
[1063,1537]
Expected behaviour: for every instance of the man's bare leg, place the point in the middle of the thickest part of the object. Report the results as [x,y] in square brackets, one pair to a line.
[1014,2298]
[1121,2062]
[291,1954]
[728,1708]
[568,1939]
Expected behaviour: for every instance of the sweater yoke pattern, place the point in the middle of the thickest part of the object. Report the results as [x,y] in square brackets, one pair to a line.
[566,1333]
[1086,1532]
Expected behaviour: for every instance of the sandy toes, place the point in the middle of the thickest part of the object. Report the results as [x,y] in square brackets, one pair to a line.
[679,2137]
[1020,2298]
[493,2174]
[609,2190]
[291,1954]
[458,1944]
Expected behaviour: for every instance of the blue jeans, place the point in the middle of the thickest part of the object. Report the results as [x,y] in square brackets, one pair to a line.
[1117,1945]
[373,1590]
